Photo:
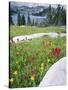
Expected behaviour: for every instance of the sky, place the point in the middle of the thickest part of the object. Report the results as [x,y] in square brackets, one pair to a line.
[34,4]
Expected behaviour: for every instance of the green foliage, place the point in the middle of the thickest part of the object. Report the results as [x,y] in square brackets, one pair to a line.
[29,21]
[23,20]
[49,15]
[63,16]
[57,16]
[33,22]
[19,19]
[16,30]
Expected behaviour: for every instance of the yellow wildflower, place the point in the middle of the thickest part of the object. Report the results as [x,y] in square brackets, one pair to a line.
[48,60]
[15,73]
[42,65]
[17,62]
[11,80]
[32,77]
[51,44]
[17,53]
[42,68]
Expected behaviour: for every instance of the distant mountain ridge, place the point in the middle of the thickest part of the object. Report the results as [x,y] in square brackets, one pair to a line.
[34,10]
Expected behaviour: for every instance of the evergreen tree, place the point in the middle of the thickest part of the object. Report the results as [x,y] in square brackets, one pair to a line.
[29,21]
[49,15]
[63,16]
[36,22]
[23,20]
[58,15]
[33,21]
[19,19]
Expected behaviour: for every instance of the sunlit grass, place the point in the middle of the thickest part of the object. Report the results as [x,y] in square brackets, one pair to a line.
[22,30]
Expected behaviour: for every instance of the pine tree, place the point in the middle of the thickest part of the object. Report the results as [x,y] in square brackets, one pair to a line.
[63,16]
[29,21]
[23,20]
[33,21]
[58,15]
[19,19]
[36,22]
[49,15]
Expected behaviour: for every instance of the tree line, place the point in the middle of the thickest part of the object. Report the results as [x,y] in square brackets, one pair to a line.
[55,16]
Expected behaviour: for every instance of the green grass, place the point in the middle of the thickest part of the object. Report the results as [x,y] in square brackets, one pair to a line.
[19,30]
[34,55]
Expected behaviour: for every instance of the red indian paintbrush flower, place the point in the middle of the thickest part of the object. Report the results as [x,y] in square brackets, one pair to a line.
[31,67]
[56,52]
[32,73]
[31,70]
[25,77]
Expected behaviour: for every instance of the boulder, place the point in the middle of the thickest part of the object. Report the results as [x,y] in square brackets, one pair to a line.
[56,75]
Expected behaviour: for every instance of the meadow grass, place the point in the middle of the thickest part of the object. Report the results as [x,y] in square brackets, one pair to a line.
[29,61]
[22,30]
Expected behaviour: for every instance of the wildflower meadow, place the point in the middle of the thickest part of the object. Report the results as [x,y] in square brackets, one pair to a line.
[29,61]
